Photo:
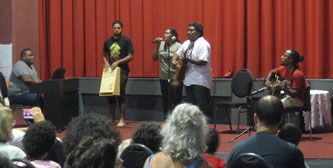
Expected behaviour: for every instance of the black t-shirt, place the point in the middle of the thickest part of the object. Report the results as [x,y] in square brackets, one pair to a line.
[118,49]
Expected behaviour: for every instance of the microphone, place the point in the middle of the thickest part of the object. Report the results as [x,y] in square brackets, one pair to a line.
[157,40]
[258,91]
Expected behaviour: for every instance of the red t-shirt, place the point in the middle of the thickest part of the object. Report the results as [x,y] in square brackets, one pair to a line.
[215,161]
[298,80]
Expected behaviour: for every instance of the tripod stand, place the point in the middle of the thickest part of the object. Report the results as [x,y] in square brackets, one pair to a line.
[250,114]
[250,119]
[167,46]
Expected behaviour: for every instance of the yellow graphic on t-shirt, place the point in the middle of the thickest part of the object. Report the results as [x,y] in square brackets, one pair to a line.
[115,51]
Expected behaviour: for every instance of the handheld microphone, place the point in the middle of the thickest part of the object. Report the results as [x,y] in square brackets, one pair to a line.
[157,40]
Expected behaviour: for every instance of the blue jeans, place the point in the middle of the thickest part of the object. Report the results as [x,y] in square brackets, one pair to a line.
[28,99]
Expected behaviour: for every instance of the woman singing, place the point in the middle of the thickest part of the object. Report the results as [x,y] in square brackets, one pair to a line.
[164,51]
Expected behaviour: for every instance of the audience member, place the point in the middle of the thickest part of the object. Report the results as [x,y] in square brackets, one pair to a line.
[57,153]
[290,133]
[148,134]
[281,154]
[6,126]
[18,133]
[37,142]
[94,152]
[89,125]
[5,162]
[212,144]
[23,75]
[184,139]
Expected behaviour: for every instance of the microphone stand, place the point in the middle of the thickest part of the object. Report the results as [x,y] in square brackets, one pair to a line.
[167,45]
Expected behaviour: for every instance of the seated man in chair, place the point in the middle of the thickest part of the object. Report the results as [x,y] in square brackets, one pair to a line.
[279,153]
[23,75]
[294,85]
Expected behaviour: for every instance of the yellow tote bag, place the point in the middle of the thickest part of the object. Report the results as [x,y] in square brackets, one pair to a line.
[110,83]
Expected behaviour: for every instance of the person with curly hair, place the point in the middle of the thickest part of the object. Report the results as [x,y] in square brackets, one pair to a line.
[89,125]
[37,142]
[184,139]
[6,126]
[94,152]
[148,134]
[212,144]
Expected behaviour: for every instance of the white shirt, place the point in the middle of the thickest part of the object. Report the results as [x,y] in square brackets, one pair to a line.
[11,151]
[198,75]
[17,138]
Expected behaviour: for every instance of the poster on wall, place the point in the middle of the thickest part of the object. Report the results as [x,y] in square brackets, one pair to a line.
[6,59]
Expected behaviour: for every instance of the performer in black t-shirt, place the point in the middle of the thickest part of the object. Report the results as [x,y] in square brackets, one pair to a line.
[117,52]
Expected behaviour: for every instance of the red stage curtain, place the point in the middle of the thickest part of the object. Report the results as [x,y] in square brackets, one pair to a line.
[242,33]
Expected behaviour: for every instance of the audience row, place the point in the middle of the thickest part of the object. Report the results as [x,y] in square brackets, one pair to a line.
[184,140]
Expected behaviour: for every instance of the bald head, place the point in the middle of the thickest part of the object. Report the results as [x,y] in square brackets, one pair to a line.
[269,110]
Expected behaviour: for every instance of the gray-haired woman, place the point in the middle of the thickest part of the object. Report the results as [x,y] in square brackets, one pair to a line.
[184,134]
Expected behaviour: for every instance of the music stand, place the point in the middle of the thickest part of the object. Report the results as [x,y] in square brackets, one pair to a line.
[250,117]
[59,73]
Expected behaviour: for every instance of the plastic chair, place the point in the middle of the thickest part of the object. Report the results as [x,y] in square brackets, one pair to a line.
[249,160]
[241,86]
[135,155]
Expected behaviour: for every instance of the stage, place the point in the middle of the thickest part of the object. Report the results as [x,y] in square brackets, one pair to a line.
[77,96]
[65,99]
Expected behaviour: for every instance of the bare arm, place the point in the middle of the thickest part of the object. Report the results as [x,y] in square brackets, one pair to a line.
[37,115]
[126,59]
[292,92]
[196,61]
[269,78]
[105,60]
[175,59]
[28,80]
[156,53]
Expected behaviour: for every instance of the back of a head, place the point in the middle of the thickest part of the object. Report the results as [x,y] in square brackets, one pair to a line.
[6,120]
[148,134]
[212,141]
[57,153]
[5,162]
[184,132]
[39,139]
[93,152]
[89,125]
[269,110]
[289,132]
